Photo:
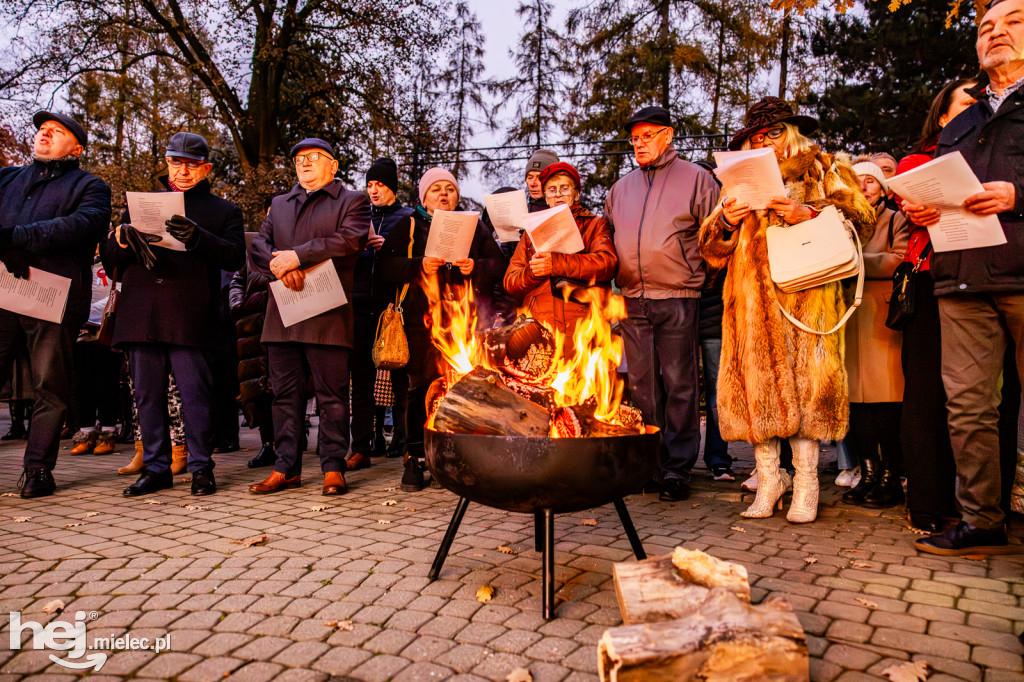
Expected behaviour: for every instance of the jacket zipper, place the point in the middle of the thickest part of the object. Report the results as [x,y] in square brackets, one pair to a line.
[639,230]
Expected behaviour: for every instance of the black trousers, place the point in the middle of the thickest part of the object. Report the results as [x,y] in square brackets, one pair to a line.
[225,386]
[98,372]
[875,434]
[421,370]
[364,375]
[50,354]
[291,366]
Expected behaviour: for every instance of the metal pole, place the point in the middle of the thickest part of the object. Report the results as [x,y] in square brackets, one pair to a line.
[449,536]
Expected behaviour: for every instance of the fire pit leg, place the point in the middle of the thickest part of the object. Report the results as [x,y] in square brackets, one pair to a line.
[548,565]
[538,531]
[627,525]
[449,537]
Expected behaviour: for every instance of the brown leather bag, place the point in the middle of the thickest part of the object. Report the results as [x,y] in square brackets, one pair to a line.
[391,347]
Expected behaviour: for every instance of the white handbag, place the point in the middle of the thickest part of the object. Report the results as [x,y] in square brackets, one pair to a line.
[815,252]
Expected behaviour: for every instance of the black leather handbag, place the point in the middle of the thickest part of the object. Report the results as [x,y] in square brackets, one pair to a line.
[904,292]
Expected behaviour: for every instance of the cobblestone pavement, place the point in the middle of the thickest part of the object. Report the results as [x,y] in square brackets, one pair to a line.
[172,564]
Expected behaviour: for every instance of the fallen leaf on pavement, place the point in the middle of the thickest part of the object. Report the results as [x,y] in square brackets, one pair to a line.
[519,675]
[738,529]
[383,522]
[22,519]
[865,602]
[9,495]
[153,502]
[249,542]
[345,625]
[911,671]
[91,514]
[810,560]
[389,503]
[390,490]
[410,509]
[55,606]
[74,525]
[484,594]
[322,507]
[861,564]
[186,480]
[506,550]
[694,506]
[589,522]
[193,507]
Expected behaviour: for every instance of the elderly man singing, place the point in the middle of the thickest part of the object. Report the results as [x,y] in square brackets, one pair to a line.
[317,220]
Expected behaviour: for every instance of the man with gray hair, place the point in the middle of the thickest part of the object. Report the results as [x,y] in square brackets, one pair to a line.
[981,291]
[52,216]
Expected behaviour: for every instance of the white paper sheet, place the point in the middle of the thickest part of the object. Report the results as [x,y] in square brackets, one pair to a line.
[150,210]
[554,230]
[507,212]
[751,176]
[43,295]
[451,235]
[944,183]
[321,291]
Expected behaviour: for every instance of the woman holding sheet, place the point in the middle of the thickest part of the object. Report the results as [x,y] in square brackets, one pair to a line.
[401,269]
[775,380]
[556,288]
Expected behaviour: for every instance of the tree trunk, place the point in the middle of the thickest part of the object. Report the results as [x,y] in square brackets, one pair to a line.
[666,71]
[784,55]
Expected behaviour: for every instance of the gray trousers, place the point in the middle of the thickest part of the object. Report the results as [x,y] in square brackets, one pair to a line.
[975,333]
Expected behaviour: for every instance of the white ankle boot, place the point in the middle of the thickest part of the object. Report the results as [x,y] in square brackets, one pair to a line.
[804,508]
[770,484]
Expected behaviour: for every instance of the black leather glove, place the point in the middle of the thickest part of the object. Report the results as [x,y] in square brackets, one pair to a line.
[17,261]
[184,230]
[138,243]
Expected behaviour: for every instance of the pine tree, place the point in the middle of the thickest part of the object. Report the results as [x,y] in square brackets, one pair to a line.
[463,80]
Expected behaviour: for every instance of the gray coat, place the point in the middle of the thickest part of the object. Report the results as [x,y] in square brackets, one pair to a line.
[331,222]
[655,212]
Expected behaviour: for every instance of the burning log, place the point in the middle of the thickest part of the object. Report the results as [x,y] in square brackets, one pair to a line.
[524,349]
[480,403]
[542,395]
[592,427]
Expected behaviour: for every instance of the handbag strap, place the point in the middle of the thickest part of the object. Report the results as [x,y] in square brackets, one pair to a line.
[924,254]
[858,297]
[405,289]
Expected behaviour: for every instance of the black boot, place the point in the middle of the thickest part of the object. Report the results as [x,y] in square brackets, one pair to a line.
[266,457]
[869,475]
[37,482]
[887,491]
[380,446]
[412,479]
[397,446]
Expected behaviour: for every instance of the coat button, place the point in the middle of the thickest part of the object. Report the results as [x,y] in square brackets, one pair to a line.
[963,286]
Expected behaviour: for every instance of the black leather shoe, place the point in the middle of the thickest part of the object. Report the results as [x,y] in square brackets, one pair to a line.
[226,446]
[37,482]
[963,539]
[930,523]
[870,470]
[203,482]
[267,457]
[412,479]
[16,432]
[887,492]
[149,482]
[674,490]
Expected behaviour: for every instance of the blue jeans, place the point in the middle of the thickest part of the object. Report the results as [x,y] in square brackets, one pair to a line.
[660,342]
[716,450]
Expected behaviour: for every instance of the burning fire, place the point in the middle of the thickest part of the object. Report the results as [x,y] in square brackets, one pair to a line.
[583,368]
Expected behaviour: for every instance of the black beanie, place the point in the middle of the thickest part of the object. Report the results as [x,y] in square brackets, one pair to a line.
[384,171]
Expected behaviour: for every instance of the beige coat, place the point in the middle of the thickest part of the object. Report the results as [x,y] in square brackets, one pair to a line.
[872,349]
[774,380]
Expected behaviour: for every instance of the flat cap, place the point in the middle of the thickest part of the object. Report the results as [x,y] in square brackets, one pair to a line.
[312,143]
[188,146]
[658,115]
[71,124]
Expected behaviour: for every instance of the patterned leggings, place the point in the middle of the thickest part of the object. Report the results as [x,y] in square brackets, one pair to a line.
[177,420]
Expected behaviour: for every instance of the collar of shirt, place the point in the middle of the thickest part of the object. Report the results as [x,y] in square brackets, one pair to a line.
[997,100]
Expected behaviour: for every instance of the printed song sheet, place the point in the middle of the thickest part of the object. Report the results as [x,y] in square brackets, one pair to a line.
[451,235]
[554,230]
[752,176]
[507,212]
[944,183]
[321,291]
[42,296]
[150,210]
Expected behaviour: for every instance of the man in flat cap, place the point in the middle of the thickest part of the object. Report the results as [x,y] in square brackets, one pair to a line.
[316,221]
[655,212]
[168,311]
[52,216]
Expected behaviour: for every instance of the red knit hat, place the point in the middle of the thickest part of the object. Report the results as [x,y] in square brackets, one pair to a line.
[560,167]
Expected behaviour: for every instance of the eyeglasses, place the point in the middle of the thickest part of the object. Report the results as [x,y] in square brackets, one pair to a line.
[559,191]
[770,134]
[312,156]
[178,163]
[646,137]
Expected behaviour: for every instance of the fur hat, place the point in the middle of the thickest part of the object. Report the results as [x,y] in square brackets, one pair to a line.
[541,159]
[869,168]
[384,171]
[768,112]
[433,175]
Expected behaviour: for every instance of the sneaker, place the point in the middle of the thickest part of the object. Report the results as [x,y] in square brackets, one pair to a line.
[722,472]
[963,539]
[750,485]
[846,476]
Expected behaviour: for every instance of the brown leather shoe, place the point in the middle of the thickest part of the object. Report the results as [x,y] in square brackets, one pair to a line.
[357,460]
[334,483]
[274,482]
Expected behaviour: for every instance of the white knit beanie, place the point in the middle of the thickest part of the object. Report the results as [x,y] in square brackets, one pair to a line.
[869,168]
[433,175]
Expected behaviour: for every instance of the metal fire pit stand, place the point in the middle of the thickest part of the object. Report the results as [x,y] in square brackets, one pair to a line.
[544,542]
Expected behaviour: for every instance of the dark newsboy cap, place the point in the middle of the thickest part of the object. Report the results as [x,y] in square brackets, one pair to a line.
[312,143]
[188,146]
[71,124]
[657,115]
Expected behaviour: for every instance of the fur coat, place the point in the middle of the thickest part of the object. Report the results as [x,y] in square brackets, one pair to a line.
[776,381]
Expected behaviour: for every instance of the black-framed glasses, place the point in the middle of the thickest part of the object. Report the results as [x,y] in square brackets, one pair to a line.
[178,163]
[312,156]
[646,137]
[770,134]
